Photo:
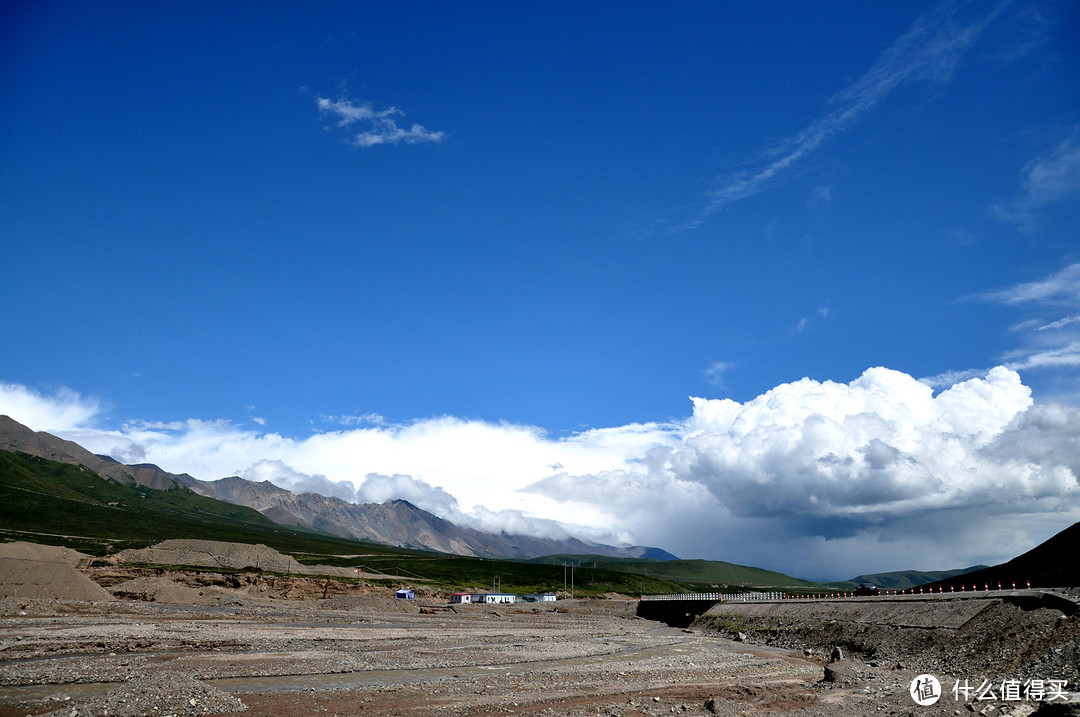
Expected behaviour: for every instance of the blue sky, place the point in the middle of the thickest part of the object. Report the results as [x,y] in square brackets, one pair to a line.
[504,243]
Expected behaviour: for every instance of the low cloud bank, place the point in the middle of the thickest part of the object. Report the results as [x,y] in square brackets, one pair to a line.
[819,479]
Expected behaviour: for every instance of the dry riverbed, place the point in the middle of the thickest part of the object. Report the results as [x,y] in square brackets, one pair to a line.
[369,654]
[193,643]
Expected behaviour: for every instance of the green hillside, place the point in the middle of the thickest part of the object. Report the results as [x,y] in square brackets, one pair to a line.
[467,573]
[698,574]
[72,505]
[62,504]
[901,579]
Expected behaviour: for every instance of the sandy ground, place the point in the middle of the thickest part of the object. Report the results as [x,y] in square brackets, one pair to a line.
[172,643]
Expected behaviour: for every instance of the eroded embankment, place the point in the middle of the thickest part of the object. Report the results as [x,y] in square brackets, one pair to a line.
[980,636]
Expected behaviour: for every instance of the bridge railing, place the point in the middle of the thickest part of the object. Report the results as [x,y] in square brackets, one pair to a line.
[684,596]
[751,596]
[718,597]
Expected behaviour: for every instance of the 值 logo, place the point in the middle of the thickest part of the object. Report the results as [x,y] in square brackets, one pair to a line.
[925,690]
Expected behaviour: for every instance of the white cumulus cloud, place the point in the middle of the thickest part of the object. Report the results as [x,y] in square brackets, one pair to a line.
[818,464]
[284,476]
[814,478]
[64,410]
[881,445]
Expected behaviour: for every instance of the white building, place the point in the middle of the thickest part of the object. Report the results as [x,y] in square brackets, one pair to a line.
[494,598]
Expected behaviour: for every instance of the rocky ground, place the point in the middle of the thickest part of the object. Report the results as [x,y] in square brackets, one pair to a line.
[197,643]
[1014,636]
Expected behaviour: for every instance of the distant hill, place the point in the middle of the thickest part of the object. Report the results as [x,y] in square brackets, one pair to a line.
[96,514]
[397,522]
[16,437]
[652,554]
[70,505]
[1050,564]
[704,574]
[901,579]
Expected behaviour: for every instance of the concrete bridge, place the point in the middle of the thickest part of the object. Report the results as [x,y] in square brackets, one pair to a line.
[677,610]
[680,610]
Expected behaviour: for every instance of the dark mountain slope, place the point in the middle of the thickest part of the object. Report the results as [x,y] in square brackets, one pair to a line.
[901,579]
[1053,563]
[396,523]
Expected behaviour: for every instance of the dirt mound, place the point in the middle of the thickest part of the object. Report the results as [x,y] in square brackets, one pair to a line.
[50,553]
[212,554]
[160,589]
[26,578]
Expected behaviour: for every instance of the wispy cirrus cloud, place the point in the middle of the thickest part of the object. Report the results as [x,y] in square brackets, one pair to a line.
[1048,333]
[1061,289]
[362,419]
[1050,336]
[805,322]
[1047,179]
[928,52]
[377,126]
[714,374]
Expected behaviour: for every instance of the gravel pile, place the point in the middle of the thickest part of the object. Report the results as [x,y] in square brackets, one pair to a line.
[50,553]
[212,554]
[43,571]
[161,695]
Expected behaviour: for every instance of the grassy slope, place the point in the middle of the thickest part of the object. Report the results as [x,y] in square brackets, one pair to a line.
[515,576]
[900,579]
[69,505]
[61,504]
[699,574]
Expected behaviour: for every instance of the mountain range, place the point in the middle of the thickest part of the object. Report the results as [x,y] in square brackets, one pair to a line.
[121,503]
[902,579]
[396,522]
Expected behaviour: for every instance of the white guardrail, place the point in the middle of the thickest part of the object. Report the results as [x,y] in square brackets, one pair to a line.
[729,597]
[748,597]
[683,596]
[756,596]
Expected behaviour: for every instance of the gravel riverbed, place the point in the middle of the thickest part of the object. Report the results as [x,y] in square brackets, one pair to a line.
[189,643]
